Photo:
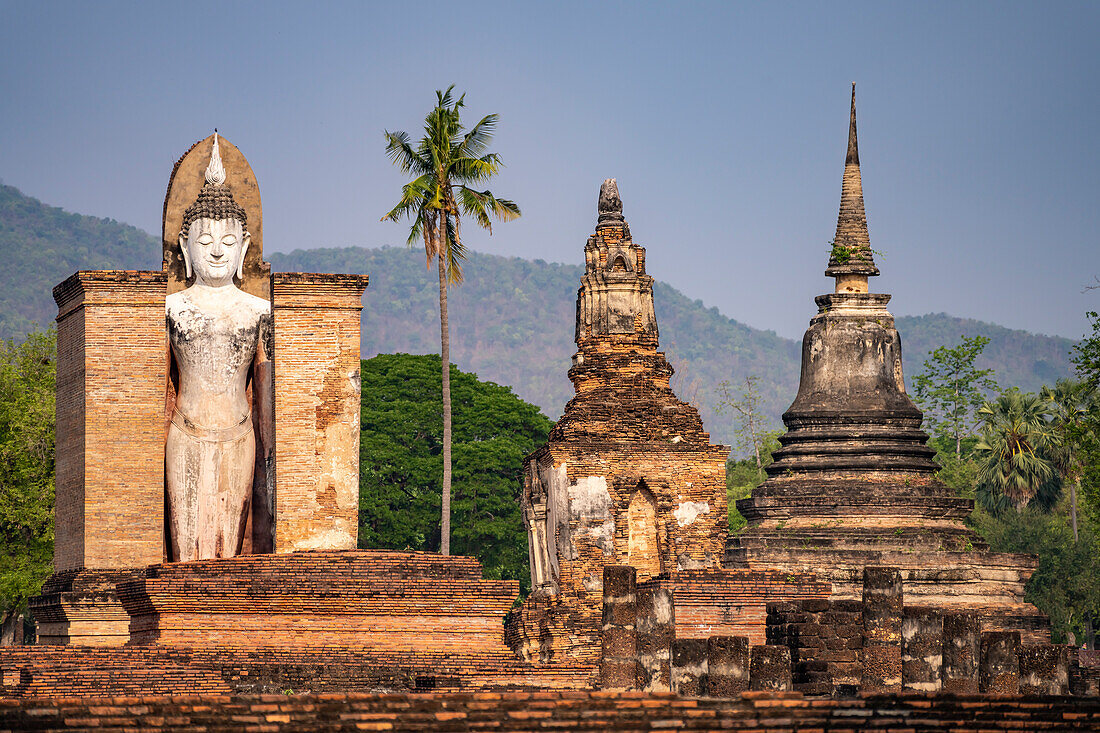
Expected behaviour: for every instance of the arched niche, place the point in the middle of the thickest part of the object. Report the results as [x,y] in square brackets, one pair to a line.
[642,546]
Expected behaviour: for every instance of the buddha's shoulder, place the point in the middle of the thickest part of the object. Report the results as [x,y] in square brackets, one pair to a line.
[259,306]
[177,302]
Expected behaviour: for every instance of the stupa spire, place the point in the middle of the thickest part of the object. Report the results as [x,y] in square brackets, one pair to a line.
[851,260]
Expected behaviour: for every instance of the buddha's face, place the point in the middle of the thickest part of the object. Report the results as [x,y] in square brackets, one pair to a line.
[214,250]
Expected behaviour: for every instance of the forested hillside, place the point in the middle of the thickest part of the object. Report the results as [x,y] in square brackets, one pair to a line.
[512,320]
[42,245]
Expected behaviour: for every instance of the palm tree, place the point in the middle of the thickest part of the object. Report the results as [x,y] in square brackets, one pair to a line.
[445,161]
[1014,450]
[1068,402]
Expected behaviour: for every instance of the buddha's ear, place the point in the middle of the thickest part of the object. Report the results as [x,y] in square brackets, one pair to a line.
[246,239]
[186,254]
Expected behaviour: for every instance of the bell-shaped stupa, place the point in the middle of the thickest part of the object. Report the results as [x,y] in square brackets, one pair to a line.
[854,482]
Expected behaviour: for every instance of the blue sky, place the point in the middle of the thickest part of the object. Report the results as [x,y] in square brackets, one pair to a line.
[725,124]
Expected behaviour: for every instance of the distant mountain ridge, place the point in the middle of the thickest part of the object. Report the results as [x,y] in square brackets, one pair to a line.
[512,320]
[42,245]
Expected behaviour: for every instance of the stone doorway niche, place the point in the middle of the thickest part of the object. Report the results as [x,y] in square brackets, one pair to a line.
[642,550]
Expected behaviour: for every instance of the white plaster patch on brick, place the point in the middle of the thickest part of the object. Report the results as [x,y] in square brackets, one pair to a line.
[590,506]
[589,499]
[689,511]
[330,539]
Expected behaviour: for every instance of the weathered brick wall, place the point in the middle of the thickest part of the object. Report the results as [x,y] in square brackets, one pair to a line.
[110,420]
[156,670]
[109,510]
[317,410]
[779,712]
[841,647]
[715,602]
[825,639]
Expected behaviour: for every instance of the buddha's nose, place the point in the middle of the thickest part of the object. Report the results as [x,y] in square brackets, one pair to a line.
[217,250]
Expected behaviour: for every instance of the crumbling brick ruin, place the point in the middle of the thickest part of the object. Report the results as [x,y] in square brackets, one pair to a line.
[821,647]
[854,482]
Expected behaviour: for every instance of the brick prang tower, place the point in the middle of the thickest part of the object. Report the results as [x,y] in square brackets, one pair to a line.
[628,476]
[854,482]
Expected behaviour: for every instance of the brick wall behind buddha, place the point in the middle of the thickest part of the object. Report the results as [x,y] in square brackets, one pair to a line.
[317,410]
[110,419]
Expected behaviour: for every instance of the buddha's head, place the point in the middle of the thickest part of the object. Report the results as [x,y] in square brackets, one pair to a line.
[213,237]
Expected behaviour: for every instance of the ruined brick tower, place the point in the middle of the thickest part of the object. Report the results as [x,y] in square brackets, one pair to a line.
[854,482]
[628,475]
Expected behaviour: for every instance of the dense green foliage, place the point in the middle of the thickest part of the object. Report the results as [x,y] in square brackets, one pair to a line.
[42,245]
[1087,360]
[1015,452]
[1066,585]
[401,462]
[1016,462]
[742,476]
[27,372]
[950,389]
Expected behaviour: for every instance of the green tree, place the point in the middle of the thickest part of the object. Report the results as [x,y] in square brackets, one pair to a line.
[1014,451]
[1069,405]
[951,388]
[750,427]
[1066,585]
[27,374]
[1086,359]
[742,476]
[401,455]
[447,158]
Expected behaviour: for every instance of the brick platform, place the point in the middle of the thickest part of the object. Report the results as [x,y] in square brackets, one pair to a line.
[86,672]
[574,711]
[359,598]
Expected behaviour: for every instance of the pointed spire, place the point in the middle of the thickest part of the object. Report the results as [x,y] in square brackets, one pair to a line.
[851,253]
[853,146]
[215,171]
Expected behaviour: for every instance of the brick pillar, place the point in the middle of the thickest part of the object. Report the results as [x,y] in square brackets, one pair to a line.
[618,658]
[1044,669]
[112,357]
[656,628]
[727,665]
[999,670]
[961,652]
[770,668]
[882,613]
[317,408]
[689,667]
[922,649]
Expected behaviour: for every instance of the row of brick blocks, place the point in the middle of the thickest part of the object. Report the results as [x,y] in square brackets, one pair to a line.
[775,712]
[821,647]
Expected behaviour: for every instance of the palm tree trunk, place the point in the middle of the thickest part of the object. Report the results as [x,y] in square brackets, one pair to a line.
[1073,505]
[445,360]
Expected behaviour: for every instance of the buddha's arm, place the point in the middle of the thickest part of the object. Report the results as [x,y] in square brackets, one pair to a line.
[263,392]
